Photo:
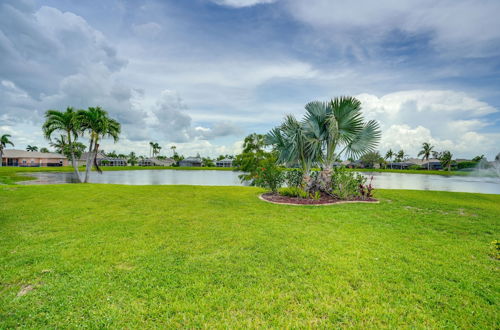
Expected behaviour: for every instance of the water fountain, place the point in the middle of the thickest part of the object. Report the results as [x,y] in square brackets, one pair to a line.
[485,168]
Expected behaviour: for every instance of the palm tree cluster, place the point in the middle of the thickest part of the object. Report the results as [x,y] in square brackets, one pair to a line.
[328,131]
[426,152]
[4,141]
[155,149]
[94,123]
[31,148]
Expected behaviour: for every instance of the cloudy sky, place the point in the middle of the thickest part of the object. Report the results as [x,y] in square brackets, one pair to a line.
[202,74]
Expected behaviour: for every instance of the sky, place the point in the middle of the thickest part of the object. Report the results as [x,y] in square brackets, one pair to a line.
[203,74]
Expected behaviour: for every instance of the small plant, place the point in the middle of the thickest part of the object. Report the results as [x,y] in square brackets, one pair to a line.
[346,185]
[293,192]
[366,190]
[316,196]
[294,178]
[269,176]
[495,249]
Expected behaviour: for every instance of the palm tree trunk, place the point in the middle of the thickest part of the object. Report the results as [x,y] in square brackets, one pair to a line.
[73,159]
[88,164]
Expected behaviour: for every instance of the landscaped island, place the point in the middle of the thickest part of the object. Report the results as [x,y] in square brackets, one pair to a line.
[183,256]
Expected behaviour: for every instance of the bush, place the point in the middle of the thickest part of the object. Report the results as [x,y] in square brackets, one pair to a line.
[366,190]
[294,178]
[269,176]
[293,192]
[415,167]
[463,165]
[346,185]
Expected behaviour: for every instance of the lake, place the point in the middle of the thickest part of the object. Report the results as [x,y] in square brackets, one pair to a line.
[489,185]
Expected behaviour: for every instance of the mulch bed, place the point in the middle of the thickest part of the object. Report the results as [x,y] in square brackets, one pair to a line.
[324,200]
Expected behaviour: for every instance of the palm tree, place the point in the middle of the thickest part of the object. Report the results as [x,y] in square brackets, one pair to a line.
[446,159]
[156,149]
[389,156]
[132,158]
[4,140]
[336,127]
[97,124]
[44,150]
[31,148]
[426,152]
[151,147]
[61,146]
[328,130]
[68,123]
[173,150]
[400,156]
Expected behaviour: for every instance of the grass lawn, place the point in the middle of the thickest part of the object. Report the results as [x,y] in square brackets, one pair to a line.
[184,256]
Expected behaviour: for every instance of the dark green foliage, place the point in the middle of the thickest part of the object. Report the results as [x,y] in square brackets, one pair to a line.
[346,184]
[415,167]
[269,176]
[294,178]
[371,158]
[463,165]
[293,192]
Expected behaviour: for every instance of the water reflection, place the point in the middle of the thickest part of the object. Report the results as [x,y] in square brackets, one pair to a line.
[489,185]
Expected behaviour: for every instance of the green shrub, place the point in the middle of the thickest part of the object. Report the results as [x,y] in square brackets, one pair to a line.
[415,167]
[346,184]
[316,196]
[294,178]
[463,165]
[293,192]
[269,176]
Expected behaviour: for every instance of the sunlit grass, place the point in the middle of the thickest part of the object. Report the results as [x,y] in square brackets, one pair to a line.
[184,256]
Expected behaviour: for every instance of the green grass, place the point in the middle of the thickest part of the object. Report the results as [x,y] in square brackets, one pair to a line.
[183,256]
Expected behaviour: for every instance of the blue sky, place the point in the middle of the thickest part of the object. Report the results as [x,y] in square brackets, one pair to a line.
[202,74]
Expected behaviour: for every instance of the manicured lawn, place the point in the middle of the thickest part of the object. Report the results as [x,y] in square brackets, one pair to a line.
[183,256]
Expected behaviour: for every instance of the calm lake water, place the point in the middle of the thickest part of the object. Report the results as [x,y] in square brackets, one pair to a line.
[228,178]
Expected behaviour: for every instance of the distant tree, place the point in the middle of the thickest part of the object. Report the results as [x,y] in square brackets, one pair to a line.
[252,156]
[68,123]
[112,154]
[44,150]
[207,162]
[4,140]
[371,158]
[400,157]
[426,153]
[132,159]
[31,148]
[446,159]
[389,156]
[173,150]
[62,147]
[478,158]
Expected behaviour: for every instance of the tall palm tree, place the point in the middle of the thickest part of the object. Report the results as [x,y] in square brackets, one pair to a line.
[337,127]
[31,148]
[4,140]
[173,150]
[389,156]
[400,156]
[96,123]
[132,158]
[426,152]
[68,123]
[151,147]
[446,159]
[156,149]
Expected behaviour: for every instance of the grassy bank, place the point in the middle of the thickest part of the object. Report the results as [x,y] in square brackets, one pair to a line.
[10,175]
[183,256]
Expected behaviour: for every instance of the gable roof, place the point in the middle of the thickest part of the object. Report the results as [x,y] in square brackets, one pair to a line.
[15,153]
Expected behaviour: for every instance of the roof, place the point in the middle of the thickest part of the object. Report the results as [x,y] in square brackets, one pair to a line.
[159,162]
[225,160]
[100,155]
[14,153]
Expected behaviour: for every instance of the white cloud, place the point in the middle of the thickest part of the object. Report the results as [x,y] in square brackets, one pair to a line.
[448,119]
[147,30]
[242,3]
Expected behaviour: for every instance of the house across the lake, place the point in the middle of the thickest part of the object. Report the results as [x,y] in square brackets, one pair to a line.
[156,162]
[102,160]
[191,162]
[226,162]
[13,157]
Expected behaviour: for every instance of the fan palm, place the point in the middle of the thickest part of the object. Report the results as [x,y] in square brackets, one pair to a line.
[338,127]
[96,123]
[389,156]
[426,152]
[4,140]
[31,148]
[68,123]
